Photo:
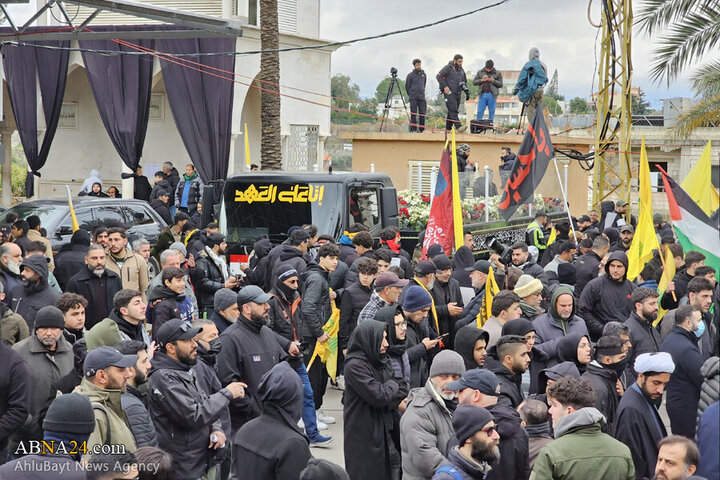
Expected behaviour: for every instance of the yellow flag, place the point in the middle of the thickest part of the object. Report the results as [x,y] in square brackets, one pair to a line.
[491,289]
[645,239]
[247,147]
[457,208]
[328,351]
[552,237]
[698,184]
[667,276]
[75,224]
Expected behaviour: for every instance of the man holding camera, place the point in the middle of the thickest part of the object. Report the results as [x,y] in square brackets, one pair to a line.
[453,81]
[415,88]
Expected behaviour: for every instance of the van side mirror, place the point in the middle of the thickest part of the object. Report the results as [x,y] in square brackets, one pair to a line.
[64,230]
[389,206]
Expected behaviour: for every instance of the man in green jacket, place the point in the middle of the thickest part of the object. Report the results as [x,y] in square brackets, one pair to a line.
[580,449]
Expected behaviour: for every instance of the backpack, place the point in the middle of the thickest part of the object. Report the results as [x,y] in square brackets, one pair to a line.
[450,470]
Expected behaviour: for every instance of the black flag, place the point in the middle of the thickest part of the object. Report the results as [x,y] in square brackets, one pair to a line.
[535,153]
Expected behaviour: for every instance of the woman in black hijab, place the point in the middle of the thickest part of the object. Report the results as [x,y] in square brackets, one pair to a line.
[575,348]
[396,326]
[372,393]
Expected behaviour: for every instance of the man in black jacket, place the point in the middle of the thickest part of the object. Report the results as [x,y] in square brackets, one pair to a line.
[10,259]
[354,299]
[415,88]
[186,418]
[97,284]
[171,175]
[14,399]
[586,266]
[603,374]
[225,311]
[71,258]
[160,184]
[249,350]
[211,273]
[291,253]
[521,259]
[644,338]
[513,359]
[446,295]
[34,292]
[316,310]
[481,388]
[134,399]
[453,82]
[681,279]
[160,205]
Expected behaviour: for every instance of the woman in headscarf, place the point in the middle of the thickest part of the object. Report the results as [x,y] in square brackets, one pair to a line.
[393,317]
[575,348]
[372,393]
[471,344]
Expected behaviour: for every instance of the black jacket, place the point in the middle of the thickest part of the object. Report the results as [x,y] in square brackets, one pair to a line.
[683,390]
[207,279]
[220,322]
[142,187]
[80,283]
[507,162]
[248,352]
[511,393]
[208,381]
[536,271]
[418,356]
[415,84]
[287,255]
[184,415]
[640,427]
[273,447]
[604,381]
[134,404]
[14,398]
[372,393]
[605,300]
[353,300]
[553,249]
[316,307]
[285,315]
[465,341]
[161,185]
[26,301]
[644,338]
[514,445]
[162,209]
[681,280]
[68,262]
[352,275]
[173,178]
[451,76]
[404,262]
[586,268]
[463,259]
[442,294]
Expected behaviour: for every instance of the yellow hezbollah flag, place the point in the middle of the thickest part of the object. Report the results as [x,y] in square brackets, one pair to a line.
[328,351]
[552,237]
[75,224]
[247,147]
[457,209]
[491,289]
[645,239]
[667,276]
[698,185]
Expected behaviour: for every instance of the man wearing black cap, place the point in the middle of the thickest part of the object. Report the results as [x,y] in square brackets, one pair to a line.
[106,372]
[481,388]
[68,424]
[627,232]
[48,357]
[211,273]
[186,418]
[415,88]
[160,205]
[34,292]
[477,433]
[446,294]
[478,275]
[249,350]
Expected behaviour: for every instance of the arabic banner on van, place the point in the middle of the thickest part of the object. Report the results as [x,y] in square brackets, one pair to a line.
[533,157]
[282,193]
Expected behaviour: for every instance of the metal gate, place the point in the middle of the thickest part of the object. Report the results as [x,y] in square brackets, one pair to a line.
[302,148]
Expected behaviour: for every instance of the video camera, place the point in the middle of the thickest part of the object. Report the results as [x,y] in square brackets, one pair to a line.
[393,71]
[501,249]
[463,86]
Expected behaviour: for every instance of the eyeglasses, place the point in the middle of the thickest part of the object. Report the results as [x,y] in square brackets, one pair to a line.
[489,430]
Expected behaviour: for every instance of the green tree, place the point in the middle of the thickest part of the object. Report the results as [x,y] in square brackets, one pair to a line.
[706,110]
[381,90]
[552,87]
[346,95]
[552,105]
[640,106]
[578,106]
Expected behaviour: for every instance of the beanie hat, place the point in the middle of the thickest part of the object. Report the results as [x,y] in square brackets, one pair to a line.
[442,262]
[567,274]
[214,239]
[318,469]
[447,362]
[70,413]
[80,237]
[519,326]
[434,249]
[468,420]
[416,298]
[49,317]
[527,285]
[224,298]
[179,247]
[285,271]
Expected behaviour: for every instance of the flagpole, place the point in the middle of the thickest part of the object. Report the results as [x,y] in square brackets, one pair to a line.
[567,208]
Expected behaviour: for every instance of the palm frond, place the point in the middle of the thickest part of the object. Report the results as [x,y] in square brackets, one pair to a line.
[705,113]
[655,15]
[706,80]
[686,41]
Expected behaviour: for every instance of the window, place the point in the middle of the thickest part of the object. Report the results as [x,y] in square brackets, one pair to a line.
[136,215]
[655,177]
[84,218]
[364,207]
[110,216]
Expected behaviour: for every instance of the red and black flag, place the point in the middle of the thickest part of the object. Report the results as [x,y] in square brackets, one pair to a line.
[535,153]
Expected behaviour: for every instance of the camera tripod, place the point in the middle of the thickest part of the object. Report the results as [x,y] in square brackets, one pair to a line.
[394,83]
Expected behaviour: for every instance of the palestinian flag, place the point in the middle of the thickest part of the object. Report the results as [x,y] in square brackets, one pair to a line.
[693,228]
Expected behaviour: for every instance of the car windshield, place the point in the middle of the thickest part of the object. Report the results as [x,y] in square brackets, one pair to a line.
[253,209]
[49,214]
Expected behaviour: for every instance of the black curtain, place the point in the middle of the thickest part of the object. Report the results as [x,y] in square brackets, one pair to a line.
[202,103]
[121,85]
[25,68]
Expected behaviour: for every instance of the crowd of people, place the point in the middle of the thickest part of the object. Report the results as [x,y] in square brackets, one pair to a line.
[189,371]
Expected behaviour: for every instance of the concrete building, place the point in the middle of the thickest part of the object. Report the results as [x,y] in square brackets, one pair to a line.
[82,144]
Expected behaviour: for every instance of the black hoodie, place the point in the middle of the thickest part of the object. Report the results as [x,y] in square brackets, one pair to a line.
[606,300]
[28,299]
[465,341]
[514,445]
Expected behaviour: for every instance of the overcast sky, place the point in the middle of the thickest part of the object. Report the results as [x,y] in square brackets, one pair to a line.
[559,28]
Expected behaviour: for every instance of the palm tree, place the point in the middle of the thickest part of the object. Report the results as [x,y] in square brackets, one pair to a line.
[270,147]
[690,29]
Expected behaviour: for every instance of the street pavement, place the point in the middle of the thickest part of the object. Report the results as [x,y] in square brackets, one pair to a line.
[333,408]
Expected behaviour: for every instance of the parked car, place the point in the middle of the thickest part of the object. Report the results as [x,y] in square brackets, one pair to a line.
[137,216]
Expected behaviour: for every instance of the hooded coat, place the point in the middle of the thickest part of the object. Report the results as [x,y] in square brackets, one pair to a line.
[581,450]
[604,381]
[463,259]
[710,390]
[162,209]
[586,269]
[465,341]
[532,76]
[372,393]
[158,187]
[285,317]
[514,445]
[397,349]
[606,300]
[567,350]
[28,299]
[352,302]
[272,446]
[184,415]
[418,355]
[550,328]
[287,255]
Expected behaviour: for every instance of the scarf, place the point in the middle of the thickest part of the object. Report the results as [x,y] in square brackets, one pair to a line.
[190,177]
[219,262]
[394,246]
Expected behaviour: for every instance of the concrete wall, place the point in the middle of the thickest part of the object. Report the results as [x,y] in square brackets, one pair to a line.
[392,152]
